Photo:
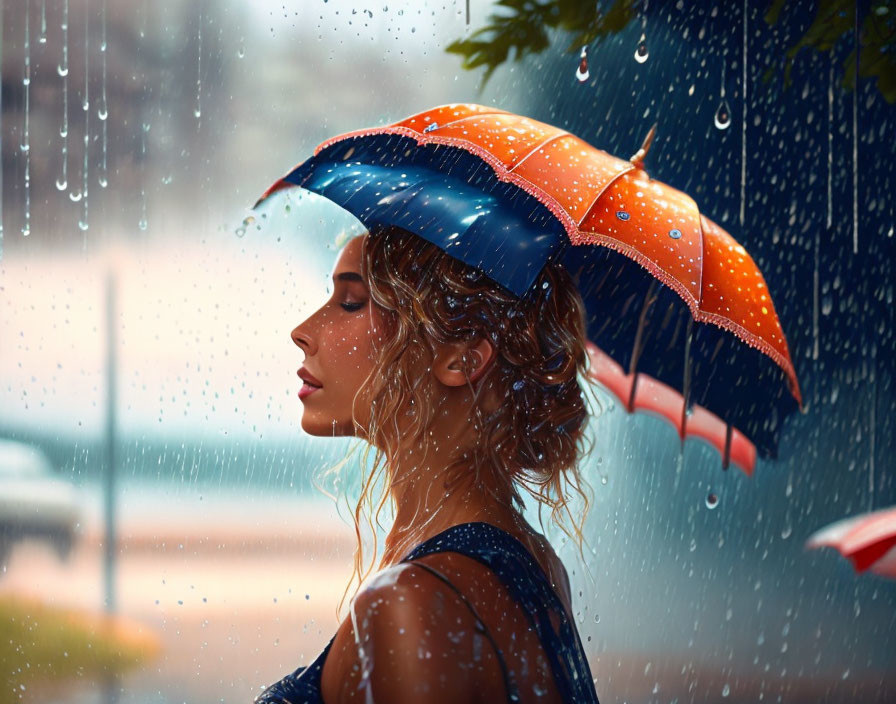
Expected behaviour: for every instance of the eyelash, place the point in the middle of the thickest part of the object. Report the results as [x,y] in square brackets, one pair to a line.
[352,307]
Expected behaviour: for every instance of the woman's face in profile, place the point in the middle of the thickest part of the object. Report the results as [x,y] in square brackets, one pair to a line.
[338,342]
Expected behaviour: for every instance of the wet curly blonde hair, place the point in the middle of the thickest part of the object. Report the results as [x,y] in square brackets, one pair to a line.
[535,441]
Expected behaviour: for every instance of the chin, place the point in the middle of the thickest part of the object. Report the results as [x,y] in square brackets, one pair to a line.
[324,426]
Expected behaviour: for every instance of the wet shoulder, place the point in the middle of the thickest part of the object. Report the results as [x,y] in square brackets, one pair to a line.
[408,637]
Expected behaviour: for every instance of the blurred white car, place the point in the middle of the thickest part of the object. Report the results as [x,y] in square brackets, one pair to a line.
[34,503]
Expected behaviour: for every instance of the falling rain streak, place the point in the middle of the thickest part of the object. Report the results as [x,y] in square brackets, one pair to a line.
[43,22]
[743,147]
[197,113]
[83,223]
[855,138]
[143,224]
[103,111]
[1,131]
[62,70]
[26,137]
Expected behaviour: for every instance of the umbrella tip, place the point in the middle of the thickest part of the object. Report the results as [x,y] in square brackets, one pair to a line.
[638,158]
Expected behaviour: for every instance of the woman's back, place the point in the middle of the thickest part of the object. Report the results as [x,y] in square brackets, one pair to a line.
[468,615]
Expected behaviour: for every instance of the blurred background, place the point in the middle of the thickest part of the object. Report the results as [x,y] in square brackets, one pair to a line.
[165,533]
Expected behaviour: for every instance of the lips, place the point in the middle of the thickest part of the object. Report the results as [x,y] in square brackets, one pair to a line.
[308,378]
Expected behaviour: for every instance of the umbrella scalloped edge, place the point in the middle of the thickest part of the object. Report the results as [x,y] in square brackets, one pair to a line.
[576,236]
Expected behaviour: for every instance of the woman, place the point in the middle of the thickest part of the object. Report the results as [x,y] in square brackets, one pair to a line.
[468,394]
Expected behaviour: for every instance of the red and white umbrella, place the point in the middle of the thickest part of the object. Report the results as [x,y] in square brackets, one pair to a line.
[868,540]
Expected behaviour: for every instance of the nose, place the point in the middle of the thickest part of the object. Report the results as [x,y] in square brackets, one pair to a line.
[303,339]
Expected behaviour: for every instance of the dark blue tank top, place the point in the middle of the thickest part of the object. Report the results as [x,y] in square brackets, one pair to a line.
[526,582]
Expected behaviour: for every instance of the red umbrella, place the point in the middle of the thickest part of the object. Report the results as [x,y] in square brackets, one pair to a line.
[670,295]
[868,540]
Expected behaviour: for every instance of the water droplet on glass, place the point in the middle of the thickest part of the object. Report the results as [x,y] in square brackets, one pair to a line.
[103,181]
[167,179]
[61,185]
[197,113]
[82,225]
[62,70]
[787,532]
[597,618]
[722,117]
[582,71]
[102,113]
[143,224]
[712,500]
[26,81]
[726,690]
[63,132]
[240,231]
[693,546]
[641,52]
[74,196]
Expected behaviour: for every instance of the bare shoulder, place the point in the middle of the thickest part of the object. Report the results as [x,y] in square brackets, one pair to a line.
[405,640]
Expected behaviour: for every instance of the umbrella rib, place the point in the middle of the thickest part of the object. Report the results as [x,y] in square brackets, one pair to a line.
[540,145]
[603,190]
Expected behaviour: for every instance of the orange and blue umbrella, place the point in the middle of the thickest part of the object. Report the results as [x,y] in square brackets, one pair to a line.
[671,297]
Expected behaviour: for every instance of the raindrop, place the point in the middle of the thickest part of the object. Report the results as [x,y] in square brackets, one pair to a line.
[726,690]
[26,143]
[74,196]
[103,111]
[62,70]
[722,117]
[43,23]
[597,618]
[143,224]
[197,112]
[641,52]
[241,52]
[787,532]
[582,71]
[712,500]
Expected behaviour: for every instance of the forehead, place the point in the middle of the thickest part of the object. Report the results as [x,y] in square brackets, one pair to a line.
[349,258]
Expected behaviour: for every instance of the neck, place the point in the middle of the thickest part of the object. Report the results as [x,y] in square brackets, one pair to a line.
[428,500]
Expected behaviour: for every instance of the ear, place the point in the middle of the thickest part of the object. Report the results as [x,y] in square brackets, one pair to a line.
[452,359]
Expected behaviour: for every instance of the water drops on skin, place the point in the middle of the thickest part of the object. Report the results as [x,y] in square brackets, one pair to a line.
[582,73]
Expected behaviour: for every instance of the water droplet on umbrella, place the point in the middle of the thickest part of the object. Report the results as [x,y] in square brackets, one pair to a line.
[722,117]
[641,52]
[582,71]
[712,500]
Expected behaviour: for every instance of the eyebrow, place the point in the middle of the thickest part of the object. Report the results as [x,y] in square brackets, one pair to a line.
[348,276]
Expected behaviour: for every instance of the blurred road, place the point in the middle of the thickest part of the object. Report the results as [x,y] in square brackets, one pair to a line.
[237,603]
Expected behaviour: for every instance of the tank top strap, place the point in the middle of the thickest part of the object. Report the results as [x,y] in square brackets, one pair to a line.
[527,584]
[509,680]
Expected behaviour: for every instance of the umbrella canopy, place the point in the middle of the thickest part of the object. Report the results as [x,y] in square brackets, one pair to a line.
[868,540]
[669,294]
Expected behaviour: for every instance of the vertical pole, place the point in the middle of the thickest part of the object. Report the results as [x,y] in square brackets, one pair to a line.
[111,457]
